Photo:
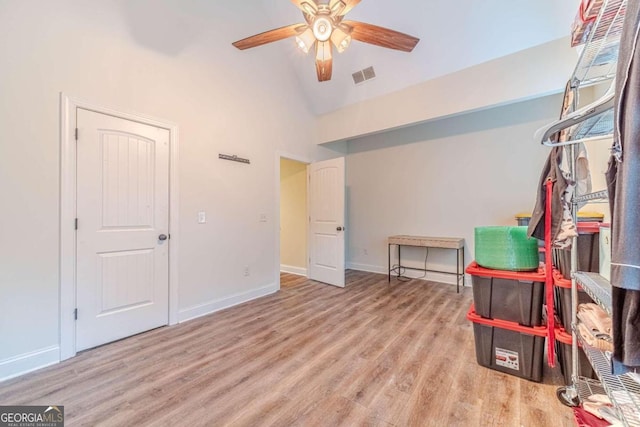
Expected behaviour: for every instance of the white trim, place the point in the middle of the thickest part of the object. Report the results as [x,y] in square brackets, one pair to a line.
[431,276]
[28,362]
[67,232]
[68,109]
[298,271]
[366,267]
[283,155]
[200,310]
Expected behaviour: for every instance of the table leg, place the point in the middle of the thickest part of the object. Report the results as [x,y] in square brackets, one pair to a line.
[399,262]
[389,261]
[458,270]
[463,266]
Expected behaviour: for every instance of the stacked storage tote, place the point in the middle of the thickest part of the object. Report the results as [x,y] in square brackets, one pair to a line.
[508,293]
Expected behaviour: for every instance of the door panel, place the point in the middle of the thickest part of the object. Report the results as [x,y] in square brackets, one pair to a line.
[128,189]
[125,280]
[326,221]
[122,208]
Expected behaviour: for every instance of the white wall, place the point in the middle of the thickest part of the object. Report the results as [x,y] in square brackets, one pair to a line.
[443,179]
[534,72]
[174,61]
[154,58]
[293,216]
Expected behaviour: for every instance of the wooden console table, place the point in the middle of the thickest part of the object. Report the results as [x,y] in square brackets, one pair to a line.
[453,243]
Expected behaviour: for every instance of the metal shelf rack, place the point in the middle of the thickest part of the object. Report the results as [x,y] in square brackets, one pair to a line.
[588,387]
[602,195]
[598,59]
[597,287]
[623,391]
[597,63]
[595,127]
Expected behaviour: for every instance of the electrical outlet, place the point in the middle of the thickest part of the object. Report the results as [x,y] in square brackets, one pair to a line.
[246,271]
[202,217]
[365,252]
[263,217]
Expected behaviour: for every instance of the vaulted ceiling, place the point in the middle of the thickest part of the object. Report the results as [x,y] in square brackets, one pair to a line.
[454,35]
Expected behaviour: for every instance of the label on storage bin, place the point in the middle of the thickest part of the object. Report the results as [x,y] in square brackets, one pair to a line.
[507,358]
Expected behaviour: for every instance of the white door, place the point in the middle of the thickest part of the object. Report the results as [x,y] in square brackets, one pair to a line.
[326,222]
[122,237]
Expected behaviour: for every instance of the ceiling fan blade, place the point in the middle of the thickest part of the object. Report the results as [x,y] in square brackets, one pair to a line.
[381,36]
[340,10]
[324,61]
[307,6]
[269,36]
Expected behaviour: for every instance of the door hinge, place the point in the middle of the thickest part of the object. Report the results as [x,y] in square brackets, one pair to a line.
[76,134]
[75,314]
[75,223]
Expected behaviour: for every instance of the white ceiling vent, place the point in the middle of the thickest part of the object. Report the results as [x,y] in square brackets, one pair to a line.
[363,75]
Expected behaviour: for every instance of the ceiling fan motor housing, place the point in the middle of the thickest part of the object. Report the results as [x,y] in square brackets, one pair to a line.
[322,27]
[325,27]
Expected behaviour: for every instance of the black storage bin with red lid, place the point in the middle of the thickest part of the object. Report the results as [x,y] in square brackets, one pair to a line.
[509,347]
[588,250]
[508,295]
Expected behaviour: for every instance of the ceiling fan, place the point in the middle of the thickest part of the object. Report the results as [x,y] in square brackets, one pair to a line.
[325,28]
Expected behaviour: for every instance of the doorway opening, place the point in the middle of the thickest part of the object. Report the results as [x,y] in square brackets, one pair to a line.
[293,217]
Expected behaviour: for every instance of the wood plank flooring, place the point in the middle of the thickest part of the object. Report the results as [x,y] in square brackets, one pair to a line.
[372,354]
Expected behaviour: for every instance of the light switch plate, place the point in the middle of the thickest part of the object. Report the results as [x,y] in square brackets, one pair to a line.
[202,217]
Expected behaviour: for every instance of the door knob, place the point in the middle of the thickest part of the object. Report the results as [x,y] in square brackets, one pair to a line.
[162,237]
[339,228]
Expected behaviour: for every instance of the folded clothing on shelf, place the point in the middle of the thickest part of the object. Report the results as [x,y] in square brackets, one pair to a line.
[599,405]
[584,419]
[595,326]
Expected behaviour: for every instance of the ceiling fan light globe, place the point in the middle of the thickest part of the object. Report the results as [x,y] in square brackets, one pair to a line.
[322,28]
[341,39]
[305,40]
[344,44]
[301,45]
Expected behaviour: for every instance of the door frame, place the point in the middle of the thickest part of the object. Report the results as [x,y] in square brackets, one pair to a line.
[284,155]
[68,176]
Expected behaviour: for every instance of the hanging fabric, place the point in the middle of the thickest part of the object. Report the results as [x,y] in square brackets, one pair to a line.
[551,327]
[623,182]
[552,171]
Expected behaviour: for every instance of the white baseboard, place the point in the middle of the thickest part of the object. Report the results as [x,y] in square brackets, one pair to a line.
[366,267]
[222,303]
[27,362]
[299,271]
[449,279]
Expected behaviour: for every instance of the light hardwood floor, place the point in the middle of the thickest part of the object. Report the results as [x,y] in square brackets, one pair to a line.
[373,353]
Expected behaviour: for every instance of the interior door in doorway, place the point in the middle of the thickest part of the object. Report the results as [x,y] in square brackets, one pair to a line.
[122,273]
[326,222]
